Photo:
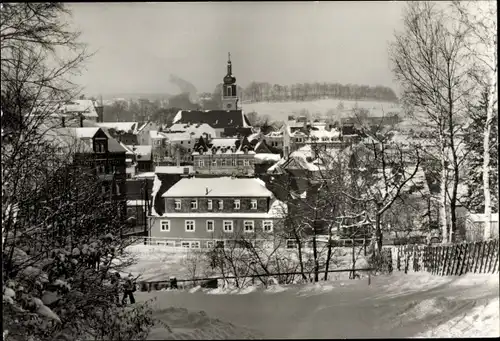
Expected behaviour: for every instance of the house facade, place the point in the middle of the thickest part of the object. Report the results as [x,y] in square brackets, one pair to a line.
[204,212]
[104,156]
[223,157]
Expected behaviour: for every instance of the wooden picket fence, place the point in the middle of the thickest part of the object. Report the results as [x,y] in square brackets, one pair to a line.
[448,260]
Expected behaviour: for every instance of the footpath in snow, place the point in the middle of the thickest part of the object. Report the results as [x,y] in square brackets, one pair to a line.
[399,305]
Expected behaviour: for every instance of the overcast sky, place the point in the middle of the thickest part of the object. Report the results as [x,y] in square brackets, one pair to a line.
[140,44]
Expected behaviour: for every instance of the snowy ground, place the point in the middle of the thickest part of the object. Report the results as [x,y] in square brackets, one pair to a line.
[399,305]
[158,263]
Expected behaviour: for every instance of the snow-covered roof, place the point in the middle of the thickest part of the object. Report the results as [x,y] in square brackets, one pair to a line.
[154,134]
[84,106]
[223,142]
[141,149]
[197,129]
[120,126]
[173,169]
[127,148]
[263,157]
[177,136]
[145,175]
[88,132]
[218,187]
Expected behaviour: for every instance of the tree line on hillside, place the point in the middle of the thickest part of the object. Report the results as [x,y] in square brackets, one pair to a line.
[263,91]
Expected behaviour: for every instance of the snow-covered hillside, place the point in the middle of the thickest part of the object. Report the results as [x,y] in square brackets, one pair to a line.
[281,110]
[412,305]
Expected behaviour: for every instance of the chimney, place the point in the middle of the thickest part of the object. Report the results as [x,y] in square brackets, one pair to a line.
[178,157]
[63,121]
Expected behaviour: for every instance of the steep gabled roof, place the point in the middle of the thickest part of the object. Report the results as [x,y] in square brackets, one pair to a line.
[215,118]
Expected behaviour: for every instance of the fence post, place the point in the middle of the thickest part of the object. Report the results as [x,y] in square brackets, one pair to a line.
[491,255]
[446,250]
[482,257]
[495,268]
[465,259]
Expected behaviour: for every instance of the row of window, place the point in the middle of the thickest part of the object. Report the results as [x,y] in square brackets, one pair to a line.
[210,204]
[196,244]
[227,226]
[223,162]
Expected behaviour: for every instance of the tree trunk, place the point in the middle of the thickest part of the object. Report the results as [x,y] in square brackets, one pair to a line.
[442,194]
[486,158]
[316,262]
[329,252]
[378,233]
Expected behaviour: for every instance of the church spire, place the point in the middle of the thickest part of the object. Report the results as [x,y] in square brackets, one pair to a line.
[229,66]
[229,93]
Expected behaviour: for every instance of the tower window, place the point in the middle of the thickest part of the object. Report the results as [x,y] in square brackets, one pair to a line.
[229,91]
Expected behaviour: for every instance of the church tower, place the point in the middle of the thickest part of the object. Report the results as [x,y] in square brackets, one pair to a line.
[229,93]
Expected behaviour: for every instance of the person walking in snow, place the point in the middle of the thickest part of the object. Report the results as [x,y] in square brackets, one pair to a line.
[115,283]
[129,289]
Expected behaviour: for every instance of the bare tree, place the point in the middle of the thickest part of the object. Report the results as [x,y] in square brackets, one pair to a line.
[429,61]
[60,241]
[481,20]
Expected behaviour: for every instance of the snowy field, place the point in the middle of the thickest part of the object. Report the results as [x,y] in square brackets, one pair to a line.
[399,305]
[281,110]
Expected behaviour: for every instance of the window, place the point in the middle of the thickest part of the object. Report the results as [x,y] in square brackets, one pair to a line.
[195,245]
[236,204]
[233,163]
[299,139]
[248,226]
[223,162]
[210,226]
[229,91]
[228,225]
[194,204]
[246,162]
[189,150]
[221,204]
[209,205]
[186,244]
[210,244]
[165,225]
[182,142]
[177,204]
[291,244]
[101,169]
[219,243]
[214,162]
[103,189]
[253,204]
[189,225]
[201,163]
[117,189]
[267,225]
